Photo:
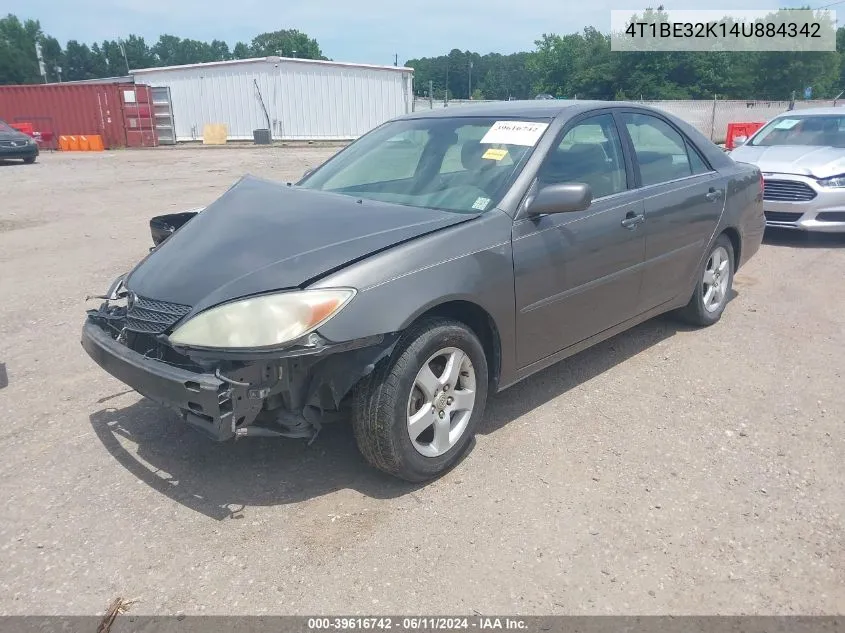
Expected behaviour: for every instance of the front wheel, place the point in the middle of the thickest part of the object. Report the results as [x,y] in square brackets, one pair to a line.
[713,287]
[416,414]
[29,160]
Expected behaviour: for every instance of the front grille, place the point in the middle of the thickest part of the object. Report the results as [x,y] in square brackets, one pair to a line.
[154,317]
[12,143]
[787,191]
[831,216]
[782,216]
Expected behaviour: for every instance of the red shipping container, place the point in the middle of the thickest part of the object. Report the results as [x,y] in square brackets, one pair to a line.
[139,117]
[73,109]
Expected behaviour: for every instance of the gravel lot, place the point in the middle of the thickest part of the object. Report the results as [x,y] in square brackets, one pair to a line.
[664,471]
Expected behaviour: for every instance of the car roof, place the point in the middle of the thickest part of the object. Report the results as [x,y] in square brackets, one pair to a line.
[534,108]
[830,110]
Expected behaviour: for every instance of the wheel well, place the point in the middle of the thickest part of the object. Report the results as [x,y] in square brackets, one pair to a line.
[479,321]
[733,236]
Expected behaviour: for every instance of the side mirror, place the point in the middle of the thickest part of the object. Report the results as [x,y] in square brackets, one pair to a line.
[561,198]
[740,140]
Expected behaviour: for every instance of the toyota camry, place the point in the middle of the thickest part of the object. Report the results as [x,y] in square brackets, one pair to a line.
[440,258]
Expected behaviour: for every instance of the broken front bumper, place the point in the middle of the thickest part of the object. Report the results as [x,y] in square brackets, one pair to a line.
[302,385]
[206,402]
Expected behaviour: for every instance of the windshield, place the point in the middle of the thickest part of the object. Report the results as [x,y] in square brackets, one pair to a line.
[822,130]
[4,127]
[463,164]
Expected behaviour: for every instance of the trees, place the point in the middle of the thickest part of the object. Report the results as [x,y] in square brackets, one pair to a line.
[18,60]
[286,43]
[241,51]
[78,61]
[578,64]
[583,65]
[52,55]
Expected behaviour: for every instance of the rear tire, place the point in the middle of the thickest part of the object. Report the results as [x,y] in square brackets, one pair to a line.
[713,287]
[415,415]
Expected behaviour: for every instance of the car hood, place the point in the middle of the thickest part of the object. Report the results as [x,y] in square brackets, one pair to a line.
[262,236]
[818,162]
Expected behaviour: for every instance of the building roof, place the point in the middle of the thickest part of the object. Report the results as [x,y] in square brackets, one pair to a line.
[272,60]
[125,79]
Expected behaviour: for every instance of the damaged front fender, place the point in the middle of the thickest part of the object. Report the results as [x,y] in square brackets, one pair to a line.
[334,376]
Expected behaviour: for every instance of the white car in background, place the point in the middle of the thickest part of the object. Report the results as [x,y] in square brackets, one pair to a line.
[802,157]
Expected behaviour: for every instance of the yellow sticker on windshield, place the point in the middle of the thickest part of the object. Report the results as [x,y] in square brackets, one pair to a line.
[495,154]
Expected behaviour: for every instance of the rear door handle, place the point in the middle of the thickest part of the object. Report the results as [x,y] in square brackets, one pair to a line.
[632,219]
[714,194]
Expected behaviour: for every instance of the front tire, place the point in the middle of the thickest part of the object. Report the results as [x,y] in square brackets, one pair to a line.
[416,414]
[713,288]
[29,160]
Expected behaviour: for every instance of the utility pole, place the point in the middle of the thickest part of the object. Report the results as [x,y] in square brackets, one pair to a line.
[431,93]
[41,67]
[123,50]
[446,93]
[395,59]
[469,80]
[713,117]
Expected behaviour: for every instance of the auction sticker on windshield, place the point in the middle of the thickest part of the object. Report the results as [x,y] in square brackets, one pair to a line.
[515,133]
[786,124]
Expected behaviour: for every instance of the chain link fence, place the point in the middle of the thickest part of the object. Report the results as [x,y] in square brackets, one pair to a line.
[710,117]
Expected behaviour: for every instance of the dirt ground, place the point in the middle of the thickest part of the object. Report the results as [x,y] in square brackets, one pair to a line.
[665,471]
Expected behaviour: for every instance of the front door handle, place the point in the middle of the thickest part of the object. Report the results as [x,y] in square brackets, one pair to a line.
[632,219]
[714,194]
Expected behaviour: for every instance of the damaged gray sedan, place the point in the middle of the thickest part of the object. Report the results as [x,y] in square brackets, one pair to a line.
[440,258]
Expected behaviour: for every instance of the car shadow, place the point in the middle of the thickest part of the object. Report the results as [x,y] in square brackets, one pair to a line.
[220,479]
[802,239]
[568,374]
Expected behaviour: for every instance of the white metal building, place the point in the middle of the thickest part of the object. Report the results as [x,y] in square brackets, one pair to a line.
[304,99]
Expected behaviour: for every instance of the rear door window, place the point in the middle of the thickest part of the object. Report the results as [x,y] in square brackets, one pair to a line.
[660,150]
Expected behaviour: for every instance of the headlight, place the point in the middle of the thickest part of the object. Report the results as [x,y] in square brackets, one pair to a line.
[262,321]
[835,181]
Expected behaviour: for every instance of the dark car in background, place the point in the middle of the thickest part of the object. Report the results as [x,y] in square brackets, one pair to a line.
[442,257]
[16,145]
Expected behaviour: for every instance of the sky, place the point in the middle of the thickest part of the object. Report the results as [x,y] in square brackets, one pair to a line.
[363,31]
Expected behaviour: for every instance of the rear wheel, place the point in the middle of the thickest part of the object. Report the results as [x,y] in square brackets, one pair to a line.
[416,414]
[713,287]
